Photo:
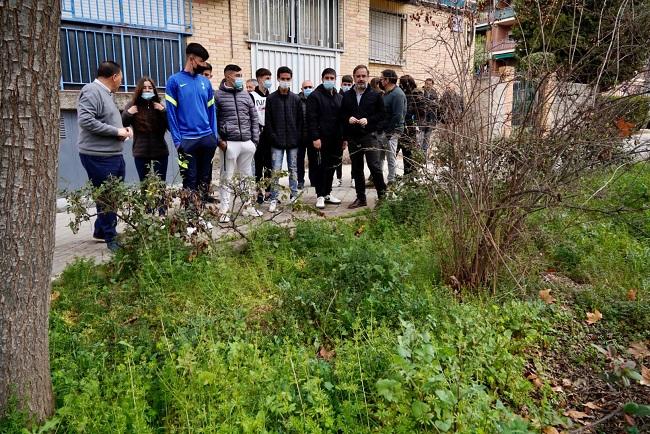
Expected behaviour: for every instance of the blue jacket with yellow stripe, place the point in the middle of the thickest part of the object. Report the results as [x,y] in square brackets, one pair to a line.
[191,110]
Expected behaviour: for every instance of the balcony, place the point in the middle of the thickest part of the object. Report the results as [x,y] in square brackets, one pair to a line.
[161,15]
[503,45]
[485,18]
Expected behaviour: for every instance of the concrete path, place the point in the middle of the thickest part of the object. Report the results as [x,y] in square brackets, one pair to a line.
[69,246]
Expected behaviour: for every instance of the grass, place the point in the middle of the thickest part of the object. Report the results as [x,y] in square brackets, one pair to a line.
[346,326]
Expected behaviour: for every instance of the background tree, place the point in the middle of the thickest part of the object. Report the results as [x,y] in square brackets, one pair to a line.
[588,38]
[29,143]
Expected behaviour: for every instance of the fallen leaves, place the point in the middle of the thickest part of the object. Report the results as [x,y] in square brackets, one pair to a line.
[645,376]
[550,430]
[592,406]
[54,296]
[594,317]
[639,350]
[535,380]
[545,295]
[576,415]
[324,354]
[360,231]
[631,294]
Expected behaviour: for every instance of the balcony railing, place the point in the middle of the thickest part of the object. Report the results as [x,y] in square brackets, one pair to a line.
[484,18]
[503,45]
[503,14]
[161,15]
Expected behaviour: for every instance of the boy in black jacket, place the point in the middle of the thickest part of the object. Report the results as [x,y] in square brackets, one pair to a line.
[284,129]
[363,112]
[326,152]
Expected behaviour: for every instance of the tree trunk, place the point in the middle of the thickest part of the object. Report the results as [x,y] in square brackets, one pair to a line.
[29,143]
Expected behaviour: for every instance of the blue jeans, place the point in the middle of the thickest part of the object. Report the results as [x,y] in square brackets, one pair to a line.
[143,166]
[277,156]
[99,169]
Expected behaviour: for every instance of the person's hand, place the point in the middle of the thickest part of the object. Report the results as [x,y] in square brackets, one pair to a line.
[124,133]
[353,120]
[344,144]
[223,145]
[158,106]
[363,122]
[316,144]
[133,109]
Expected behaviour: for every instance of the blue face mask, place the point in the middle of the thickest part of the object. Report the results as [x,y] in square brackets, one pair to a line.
[307,92]
[329,84]
[268,84]
[147,95]
[239,83]
[346,87]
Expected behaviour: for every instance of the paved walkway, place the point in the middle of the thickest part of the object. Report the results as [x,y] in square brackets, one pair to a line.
[69,246]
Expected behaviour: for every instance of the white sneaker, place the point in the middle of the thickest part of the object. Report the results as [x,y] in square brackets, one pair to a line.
[273,206]
[352,183]
[332,199]
[224,218]
[251,211]
[340,182]
[320,202]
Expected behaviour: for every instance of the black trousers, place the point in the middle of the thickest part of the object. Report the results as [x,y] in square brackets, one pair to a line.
[323,164]
[262,158]
[407,143]
[366,146]
[302,153]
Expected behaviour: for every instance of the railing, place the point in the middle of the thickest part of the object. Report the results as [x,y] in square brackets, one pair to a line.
[157,55]
[162,15]
[503,45]
[484,18]
[503,14]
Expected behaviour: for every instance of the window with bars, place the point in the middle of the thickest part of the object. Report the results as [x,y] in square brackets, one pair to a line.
[313,23]
[387,37]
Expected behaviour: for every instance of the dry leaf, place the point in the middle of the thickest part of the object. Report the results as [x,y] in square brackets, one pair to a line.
[55,296]
[645,374]
[639,350]
[535,380]
[593,318]
[557,389]
[550,430]
[545,295]
[629,419]
[575,414]
[566,382]
[631,294]
[326,355]
[592,406]
[359,231]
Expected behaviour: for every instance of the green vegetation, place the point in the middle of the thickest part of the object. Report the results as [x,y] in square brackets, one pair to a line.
[346,326]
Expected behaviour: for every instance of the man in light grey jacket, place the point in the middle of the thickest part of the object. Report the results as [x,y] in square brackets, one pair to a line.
[100,142]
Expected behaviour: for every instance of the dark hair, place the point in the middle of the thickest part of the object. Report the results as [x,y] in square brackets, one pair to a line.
[358,67]
[108,68]
[390,74]
[262,72]
[208,67]
[284,70]
[327,71]
[374,83]
[428,79]
[137,93]
[231,67]
[347,79]
[197,50]
[407,83]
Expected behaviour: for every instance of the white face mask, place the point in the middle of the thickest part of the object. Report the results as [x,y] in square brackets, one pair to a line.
[284,84]
[346,87]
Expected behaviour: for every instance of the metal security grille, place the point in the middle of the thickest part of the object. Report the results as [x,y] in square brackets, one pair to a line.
[163,15]
[387,37]
[313,23]
[157,55]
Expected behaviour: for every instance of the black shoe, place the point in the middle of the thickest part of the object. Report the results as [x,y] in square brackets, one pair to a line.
[357,204]
[98,236]
[301,185]
[260,198]
[210,199]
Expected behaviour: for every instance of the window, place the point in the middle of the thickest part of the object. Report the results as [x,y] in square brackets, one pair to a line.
[312,23]
[387,34]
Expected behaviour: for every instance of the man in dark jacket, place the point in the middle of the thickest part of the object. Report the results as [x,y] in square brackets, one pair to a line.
[395,105]
[326,152]
[238,132]
[262,160]
[306,89]
[284,128]
[362,113]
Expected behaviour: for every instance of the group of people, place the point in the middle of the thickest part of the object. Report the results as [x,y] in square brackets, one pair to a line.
[255,130]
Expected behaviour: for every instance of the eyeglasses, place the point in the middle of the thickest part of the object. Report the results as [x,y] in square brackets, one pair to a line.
[308,87]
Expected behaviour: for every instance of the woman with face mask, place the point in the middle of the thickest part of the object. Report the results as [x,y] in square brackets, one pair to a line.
[147,116]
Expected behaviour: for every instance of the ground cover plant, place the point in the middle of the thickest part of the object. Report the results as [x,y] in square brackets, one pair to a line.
[348,326]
